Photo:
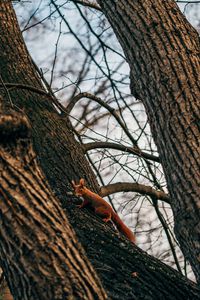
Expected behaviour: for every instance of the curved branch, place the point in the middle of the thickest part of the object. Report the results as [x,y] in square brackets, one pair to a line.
[132,150]
[88,4]
[25,87]
[134,187]
[35,90]
[105,105]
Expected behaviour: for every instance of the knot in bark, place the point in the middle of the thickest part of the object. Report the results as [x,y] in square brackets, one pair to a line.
[13,126]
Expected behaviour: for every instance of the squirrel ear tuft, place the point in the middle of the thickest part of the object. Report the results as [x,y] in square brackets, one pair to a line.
[73,183]
[82,182]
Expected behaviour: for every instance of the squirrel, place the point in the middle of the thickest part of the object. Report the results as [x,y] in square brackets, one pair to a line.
[101,208]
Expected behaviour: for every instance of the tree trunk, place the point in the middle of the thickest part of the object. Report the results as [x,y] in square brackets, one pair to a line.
[39,253]
[162,49]
[125,271]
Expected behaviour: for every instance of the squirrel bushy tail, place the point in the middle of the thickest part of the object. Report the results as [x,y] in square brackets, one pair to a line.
[123,228]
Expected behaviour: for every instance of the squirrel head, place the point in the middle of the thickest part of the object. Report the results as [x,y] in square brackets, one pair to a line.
[79,188]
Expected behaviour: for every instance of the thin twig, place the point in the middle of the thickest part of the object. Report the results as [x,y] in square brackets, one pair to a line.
[165,227]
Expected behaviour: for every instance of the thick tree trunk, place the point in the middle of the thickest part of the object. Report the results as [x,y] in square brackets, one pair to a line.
[126,271]
[162,49]
[39,253]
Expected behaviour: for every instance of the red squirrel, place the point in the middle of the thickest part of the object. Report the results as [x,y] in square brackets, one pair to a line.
[101,208]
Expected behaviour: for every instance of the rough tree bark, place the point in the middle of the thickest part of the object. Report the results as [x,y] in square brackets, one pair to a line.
[162,50]
[34,232]
[125,271]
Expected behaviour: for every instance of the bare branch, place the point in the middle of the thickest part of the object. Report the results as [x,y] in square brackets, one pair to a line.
[87,3]
[132,150]
[104,104]
[35,90]
[166,229]
[134,187]
[24,87]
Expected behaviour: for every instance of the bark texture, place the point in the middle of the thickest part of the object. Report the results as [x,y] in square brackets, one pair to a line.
[125,271]
[39,253]
[162,50]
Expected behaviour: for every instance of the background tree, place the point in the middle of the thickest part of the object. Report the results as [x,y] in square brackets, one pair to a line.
[55,152]
[173,110]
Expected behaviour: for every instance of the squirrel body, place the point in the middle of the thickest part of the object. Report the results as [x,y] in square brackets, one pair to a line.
[101,208]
